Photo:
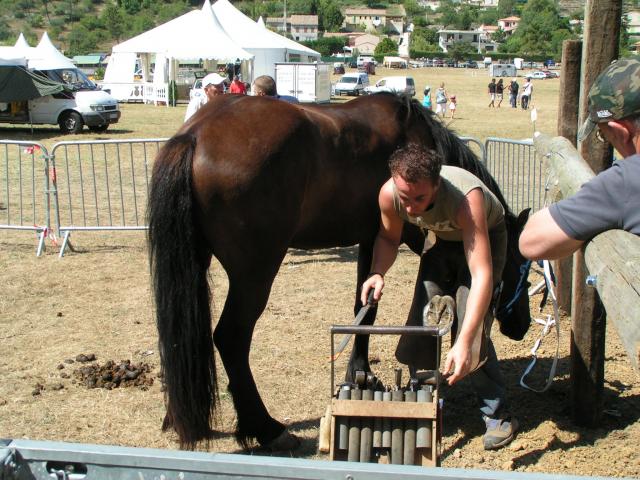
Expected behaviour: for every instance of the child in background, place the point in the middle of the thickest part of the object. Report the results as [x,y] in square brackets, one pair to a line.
[426,103]
[452,105]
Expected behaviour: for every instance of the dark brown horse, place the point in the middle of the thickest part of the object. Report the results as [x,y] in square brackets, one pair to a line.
[244,180]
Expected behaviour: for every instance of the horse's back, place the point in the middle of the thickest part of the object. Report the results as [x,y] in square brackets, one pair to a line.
[311,171]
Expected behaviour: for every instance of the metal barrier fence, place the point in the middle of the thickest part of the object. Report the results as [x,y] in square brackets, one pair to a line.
[104,185]
[476,147]
[24,189]
[101,185]
[519,173]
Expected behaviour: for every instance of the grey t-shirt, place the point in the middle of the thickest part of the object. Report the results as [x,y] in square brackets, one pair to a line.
[610,200]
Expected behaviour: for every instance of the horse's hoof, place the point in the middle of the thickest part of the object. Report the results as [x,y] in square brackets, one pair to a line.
[284,442]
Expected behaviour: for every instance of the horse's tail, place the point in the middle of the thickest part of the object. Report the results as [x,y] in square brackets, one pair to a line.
[456,152]
[179,261]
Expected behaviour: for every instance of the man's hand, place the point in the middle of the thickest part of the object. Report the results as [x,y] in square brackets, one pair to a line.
[375,281]
[458,360]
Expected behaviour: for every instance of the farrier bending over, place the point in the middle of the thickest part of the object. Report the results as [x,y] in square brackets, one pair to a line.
[456,206]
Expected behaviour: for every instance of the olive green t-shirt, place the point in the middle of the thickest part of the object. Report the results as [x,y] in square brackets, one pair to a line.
[440,216]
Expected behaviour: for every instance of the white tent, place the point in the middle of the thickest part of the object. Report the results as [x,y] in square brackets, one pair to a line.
[43,57]
[194,36]
[47,57]
[267,46]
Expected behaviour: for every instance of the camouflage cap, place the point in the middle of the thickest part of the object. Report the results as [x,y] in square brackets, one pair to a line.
[614,95]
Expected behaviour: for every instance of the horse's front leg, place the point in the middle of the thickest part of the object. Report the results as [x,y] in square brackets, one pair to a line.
[359,359]
[245,302]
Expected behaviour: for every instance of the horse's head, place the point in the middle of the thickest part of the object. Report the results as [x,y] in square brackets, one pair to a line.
[513,310]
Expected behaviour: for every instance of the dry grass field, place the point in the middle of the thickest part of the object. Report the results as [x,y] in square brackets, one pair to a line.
[97,301]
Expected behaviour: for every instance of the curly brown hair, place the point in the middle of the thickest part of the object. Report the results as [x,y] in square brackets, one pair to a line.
[415,163]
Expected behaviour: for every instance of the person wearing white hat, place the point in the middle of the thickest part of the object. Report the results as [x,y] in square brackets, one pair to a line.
[213,85]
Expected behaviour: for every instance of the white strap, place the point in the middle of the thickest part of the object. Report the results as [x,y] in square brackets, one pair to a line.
[547,324]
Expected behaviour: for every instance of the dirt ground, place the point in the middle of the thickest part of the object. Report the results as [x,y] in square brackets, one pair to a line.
[97,302]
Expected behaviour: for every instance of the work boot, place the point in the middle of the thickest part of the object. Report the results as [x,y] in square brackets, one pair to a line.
[500,431]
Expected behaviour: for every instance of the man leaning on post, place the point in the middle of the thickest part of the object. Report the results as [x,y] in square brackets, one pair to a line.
[611,200]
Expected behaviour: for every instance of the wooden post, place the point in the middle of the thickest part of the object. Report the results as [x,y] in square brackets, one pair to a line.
[568,128]
[600,48]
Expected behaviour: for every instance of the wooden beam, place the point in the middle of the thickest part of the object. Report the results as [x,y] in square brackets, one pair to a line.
[613,258]
[569,101]
[599,49]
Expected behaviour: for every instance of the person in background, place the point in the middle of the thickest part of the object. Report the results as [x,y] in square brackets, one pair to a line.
[452,105]
[499,92]
[441,100]
[610,200]
[457,207]
[492,93]
[426,102]
[265,86]
[513,93]
[212,84]
[527,91]
[237,86]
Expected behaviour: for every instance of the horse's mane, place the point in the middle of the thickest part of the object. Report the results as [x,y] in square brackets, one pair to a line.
[454,151]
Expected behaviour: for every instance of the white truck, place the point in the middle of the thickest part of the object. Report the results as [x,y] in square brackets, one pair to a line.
[61,96]
[308,82]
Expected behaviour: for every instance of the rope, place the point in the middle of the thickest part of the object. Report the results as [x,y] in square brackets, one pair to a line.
[550,321]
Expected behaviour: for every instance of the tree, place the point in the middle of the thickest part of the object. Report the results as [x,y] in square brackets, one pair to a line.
[460,50]
[113,19]
[386,46]
[330,17]
[540,24]
[506,8]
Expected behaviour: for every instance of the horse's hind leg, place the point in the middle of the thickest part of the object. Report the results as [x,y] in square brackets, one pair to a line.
[246,299]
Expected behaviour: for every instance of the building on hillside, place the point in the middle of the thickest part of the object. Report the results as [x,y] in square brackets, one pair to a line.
[481,3]
[278,24]
[478,39]
[299,27]
[303,27]
[488,30]
[509,24]
[366,44]
[372,18]
[397,18]
[430,4]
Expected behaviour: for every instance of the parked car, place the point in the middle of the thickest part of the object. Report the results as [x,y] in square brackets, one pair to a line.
[352,84]
[393,84]
[537,74]
[438,62]
[352,64]
[338,68]
[451,63]
[468,64]
[551,74]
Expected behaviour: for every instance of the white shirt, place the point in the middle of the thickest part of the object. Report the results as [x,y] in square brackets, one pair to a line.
[528,87]
[195,104]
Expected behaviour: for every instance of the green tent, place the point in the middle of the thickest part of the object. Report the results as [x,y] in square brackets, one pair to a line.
[19,84]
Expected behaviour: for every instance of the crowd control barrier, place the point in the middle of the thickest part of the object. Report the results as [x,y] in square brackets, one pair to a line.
[25,189]
[518,171]
[101,185]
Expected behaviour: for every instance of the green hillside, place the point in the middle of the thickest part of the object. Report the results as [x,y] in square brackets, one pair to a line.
[85,26]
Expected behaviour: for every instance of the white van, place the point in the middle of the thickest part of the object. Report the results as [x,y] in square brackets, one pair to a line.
[75,100]
[352,84]
[401,84]
[362,59]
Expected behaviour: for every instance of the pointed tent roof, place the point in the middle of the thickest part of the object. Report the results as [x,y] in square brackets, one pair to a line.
[250,35]
[47,57]
[260,22]
[194,35]
[22,42]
